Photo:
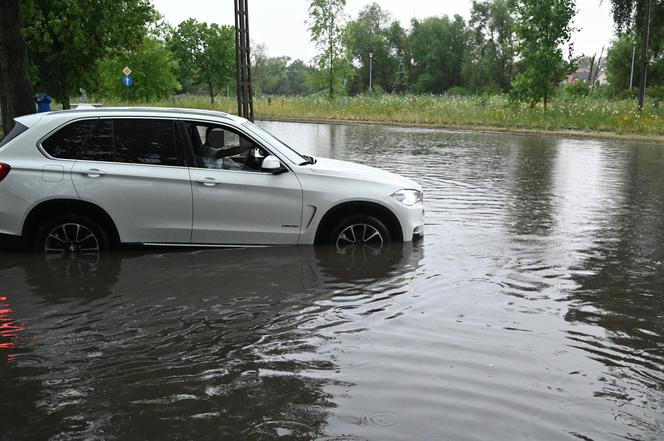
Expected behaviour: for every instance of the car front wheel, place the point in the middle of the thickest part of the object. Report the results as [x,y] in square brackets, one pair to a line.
[357,231]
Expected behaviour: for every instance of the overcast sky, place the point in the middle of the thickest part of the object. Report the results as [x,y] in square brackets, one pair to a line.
[280,24]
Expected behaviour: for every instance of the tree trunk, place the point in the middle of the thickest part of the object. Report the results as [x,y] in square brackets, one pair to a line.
[331,81]
[66,104]
[211,89]
[16,97]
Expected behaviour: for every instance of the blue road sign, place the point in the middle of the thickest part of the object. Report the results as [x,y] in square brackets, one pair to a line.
[127,81]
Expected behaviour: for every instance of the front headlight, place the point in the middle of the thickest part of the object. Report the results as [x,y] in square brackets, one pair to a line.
[408,197]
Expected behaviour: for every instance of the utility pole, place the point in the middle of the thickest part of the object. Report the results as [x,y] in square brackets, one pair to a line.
[599,61]
[245,103]
[370,71]
[644,56]
[631,73]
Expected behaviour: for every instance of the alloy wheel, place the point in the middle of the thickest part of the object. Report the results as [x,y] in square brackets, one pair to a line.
[71,239]
[362,234]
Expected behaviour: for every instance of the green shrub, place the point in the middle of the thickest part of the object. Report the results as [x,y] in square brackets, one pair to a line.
[459,91]
[577,89]
[593,114]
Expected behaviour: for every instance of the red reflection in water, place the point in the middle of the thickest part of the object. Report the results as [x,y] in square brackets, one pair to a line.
[8,328]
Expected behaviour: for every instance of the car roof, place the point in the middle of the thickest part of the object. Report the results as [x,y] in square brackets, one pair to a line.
[29,120]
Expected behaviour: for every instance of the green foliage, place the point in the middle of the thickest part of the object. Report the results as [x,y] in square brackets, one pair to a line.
[656,93]
[459,91]
[374,32]
[489,60]
[153,72]
[326,19]
[66,39]
[205,54]
[577,89]
[629,16]
[279,75]
[597,117]
[542,27]
[437,47]
[619,64]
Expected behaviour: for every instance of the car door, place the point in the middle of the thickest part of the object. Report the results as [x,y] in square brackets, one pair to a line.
[238,204]
[131,167]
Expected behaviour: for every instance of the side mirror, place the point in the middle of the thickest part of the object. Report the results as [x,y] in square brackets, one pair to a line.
[272,164]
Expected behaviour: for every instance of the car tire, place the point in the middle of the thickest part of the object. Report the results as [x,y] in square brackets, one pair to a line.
[71,234]
[363,230]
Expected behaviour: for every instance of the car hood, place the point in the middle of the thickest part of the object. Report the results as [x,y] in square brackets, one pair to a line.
[351,170]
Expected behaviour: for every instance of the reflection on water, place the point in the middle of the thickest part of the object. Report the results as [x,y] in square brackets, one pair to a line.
[221,343]
[531,310]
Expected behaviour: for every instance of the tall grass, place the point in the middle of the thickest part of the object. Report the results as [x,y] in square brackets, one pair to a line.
[577,114]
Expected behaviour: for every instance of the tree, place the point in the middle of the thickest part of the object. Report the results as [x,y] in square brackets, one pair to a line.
[619,65]
[299,78]
[630,18]
[66,39]
[279,75]
[15,87]
[153,72]
[628,15]
[489,60]
[438,45]
[542,27]
[205,54]
[375,33]
[325,22]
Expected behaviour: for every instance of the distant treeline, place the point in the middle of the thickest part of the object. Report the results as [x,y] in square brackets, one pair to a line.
[78,46]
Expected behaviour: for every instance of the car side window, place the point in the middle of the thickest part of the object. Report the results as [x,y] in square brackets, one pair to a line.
[145,141]
[66,142]
[99,145]
[219,147]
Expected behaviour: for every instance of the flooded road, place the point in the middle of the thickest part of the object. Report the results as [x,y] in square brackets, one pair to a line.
[533,309]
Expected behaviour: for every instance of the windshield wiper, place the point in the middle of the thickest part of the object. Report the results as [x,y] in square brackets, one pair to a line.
[309,160]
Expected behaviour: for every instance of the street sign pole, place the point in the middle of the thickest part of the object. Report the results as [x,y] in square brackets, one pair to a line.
[127,81]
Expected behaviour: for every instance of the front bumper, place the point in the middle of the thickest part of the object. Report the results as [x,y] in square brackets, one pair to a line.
[411,219]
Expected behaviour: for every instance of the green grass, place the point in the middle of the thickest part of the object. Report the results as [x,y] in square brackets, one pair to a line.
[595,116]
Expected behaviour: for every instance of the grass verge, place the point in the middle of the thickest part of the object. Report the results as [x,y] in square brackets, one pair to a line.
[578,117]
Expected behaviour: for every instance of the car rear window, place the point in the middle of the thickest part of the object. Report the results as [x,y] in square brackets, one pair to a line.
[66,142]
[13,133]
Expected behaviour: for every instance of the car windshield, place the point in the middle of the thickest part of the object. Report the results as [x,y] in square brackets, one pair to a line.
[270,139]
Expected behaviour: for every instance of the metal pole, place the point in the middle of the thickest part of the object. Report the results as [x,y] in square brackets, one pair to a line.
[644,56]
[631,74]
[370,71]
[245,104]
[599,60]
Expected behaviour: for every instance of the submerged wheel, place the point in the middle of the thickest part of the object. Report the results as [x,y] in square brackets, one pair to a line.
[71,235]
[359,231]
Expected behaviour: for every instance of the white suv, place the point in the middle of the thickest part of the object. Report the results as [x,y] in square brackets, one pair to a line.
[82,181]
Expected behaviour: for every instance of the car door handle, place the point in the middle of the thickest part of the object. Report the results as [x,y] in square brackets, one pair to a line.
[92,173]
[209,182]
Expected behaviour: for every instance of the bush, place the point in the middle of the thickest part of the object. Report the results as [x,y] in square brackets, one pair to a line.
[577,89]
[459,91]
[629,94]
[656,93]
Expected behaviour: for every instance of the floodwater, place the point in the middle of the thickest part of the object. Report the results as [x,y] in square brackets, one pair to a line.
[533,309]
